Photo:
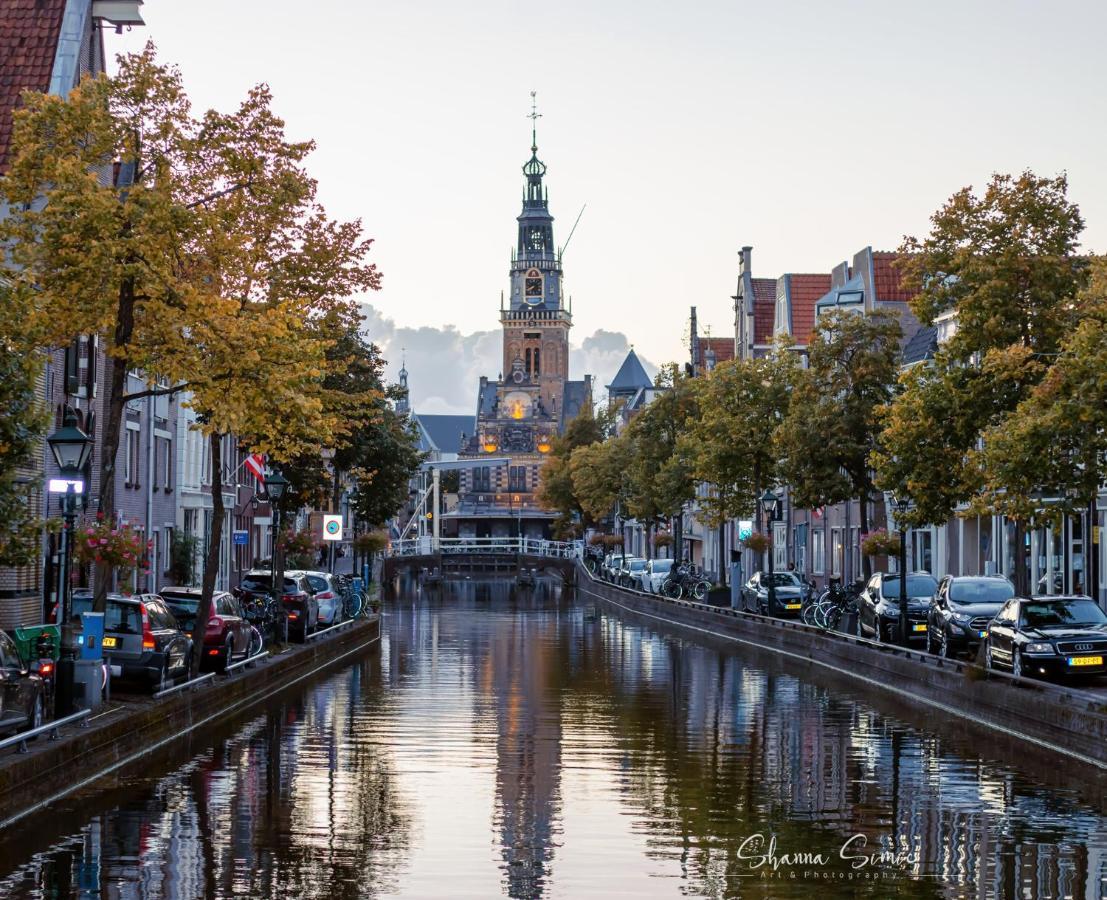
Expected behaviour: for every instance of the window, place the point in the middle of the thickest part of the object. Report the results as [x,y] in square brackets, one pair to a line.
[855,553]
[780,547]
[836,552]
[131,458]
[72,373]
[818,551]
[801,550]
[155,557]
[517,478]
[482,478]
[167,464]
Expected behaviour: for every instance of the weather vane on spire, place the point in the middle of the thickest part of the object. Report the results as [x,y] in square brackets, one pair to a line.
[534,116]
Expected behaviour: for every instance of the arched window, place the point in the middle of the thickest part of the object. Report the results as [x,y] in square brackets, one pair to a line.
[530,371]
[537,367]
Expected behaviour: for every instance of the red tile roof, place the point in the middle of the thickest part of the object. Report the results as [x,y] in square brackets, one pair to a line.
[29,32]
[722,347]
[764,289]
[764,318]
[887,282]
[803,291]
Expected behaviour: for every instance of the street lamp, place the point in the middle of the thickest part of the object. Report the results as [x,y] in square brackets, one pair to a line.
[275,486]
[902,504]
[71,448]
[769,501]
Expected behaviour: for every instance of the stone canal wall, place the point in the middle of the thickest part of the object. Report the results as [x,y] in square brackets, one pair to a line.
[139,729]
[1055,718]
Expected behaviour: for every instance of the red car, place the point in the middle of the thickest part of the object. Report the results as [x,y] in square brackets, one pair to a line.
[228,638]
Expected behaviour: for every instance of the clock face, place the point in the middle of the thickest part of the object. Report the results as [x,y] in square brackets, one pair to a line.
[534,288]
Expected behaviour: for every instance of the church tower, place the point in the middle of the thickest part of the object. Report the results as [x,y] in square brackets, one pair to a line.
[535,321]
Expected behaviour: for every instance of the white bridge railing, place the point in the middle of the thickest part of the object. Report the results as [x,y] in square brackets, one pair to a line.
[425,546]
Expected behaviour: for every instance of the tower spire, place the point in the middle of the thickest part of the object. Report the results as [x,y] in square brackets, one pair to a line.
[534,116]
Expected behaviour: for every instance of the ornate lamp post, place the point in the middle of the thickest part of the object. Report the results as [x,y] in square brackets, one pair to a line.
[902,504]
[769,501]
[275,486]
[71,448]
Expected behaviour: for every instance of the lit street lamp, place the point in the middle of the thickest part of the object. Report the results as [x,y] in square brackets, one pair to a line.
[769,500]
[902,504]
[71,448]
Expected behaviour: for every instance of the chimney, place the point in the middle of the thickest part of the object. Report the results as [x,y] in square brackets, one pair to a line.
[744,265]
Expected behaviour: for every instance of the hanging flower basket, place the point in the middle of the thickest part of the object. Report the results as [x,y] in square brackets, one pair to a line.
[597,540]
[299,548]
[121,548]
[663,540]
[611,541]
[880,543]
[758,542]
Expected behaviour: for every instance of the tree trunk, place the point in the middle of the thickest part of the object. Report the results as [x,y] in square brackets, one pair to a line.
[863,527]
[1021,578]
[722,548]
[211,559]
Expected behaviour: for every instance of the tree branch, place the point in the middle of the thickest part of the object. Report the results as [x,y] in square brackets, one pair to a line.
[218,194]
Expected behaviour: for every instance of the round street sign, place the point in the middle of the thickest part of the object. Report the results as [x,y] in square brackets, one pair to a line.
[332,528]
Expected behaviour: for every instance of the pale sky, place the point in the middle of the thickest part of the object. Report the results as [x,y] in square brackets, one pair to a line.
[806,129]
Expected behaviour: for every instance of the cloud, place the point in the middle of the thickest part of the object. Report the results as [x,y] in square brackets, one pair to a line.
[444,366]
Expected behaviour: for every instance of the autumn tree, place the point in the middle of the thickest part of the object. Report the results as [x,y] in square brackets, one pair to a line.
[1003,266]
[599,476]
[831,429]
[555,486]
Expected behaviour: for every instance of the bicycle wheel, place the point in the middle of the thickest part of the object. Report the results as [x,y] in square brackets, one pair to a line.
[699,590]
[834,617]
[355,605]
[808,614]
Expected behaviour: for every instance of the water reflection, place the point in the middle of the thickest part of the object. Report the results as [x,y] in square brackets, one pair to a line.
[516,742]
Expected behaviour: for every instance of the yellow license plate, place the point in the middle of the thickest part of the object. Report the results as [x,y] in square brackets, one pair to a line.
[109,642]
[920,627]
[794,606]
[1086,661]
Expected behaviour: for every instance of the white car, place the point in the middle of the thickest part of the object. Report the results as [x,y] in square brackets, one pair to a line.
[657,570]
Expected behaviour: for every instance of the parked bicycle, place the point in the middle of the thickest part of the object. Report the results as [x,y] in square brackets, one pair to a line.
[685,580]
[827,610]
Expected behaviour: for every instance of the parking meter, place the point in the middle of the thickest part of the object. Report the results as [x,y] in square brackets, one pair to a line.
[90,643]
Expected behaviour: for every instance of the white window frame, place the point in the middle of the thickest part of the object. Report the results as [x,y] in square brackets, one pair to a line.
[780,546]
[837,554]
[818,551]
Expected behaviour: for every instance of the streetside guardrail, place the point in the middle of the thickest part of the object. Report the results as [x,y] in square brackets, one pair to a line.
[345,623]
[422,546]
[245,662]
[191,684]
[20,740]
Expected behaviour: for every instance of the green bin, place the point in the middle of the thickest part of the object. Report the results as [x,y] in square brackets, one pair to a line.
[26,639]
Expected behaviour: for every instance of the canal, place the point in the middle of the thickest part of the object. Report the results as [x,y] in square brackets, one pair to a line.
[522,743]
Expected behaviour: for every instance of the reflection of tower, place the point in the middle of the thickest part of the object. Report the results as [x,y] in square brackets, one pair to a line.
[521,669]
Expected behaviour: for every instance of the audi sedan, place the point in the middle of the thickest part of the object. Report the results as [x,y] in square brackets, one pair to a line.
[1048,636]
[960,611]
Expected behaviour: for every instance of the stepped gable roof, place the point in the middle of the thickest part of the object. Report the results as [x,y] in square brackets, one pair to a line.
[442,433]
[29,32]
[887,279]
[630,377]
[922,345]
[804,291]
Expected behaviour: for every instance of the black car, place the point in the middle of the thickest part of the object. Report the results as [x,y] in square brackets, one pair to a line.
[960,611]
[22,692]
[791,593]
[878,606]
[142,638]
[1048,636]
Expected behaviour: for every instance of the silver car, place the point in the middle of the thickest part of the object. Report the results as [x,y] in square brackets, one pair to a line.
[657,570]
[327,596]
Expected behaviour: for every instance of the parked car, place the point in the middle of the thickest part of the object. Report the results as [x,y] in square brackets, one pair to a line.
[228,635]
[878,606]
[657,570]
[610,568]
[960,611]
[791,593]
[297,598]
[1048,636]
[143,640]
[328,598]
[22,691]
[629,573]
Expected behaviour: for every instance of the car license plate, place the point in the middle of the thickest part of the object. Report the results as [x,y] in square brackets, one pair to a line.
[109,642]
[920,627]
[983,634]
[794,606]
[1085,660]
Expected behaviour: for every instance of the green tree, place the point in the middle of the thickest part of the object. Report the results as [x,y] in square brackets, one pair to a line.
[555,486]
[831,429]
[599,475]
[1003,264]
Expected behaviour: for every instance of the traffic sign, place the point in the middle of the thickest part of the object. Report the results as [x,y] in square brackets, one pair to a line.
[241,538]
[332,528]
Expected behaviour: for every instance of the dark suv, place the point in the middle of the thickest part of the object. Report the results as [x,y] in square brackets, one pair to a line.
[228,635]
[878,606]
[960,612]
[142,638]
[297,598]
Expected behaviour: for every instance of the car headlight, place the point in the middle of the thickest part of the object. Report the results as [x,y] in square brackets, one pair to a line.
[890,612]
[1040,648]
[962,618]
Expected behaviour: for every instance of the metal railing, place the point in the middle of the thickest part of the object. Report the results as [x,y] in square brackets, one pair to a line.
[192,684]
[422,546]
[52,727]
[246,661]
[343,624]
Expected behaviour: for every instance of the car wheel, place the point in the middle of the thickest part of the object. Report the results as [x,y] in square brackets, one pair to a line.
[228,653]
[37,714]
[161,682]
[1016,663]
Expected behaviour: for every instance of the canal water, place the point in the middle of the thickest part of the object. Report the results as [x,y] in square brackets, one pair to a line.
[524,743]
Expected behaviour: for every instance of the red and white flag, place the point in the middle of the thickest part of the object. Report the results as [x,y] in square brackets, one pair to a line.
[256,465]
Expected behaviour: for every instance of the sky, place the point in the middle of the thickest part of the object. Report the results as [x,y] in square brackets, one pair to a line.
[807,130]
